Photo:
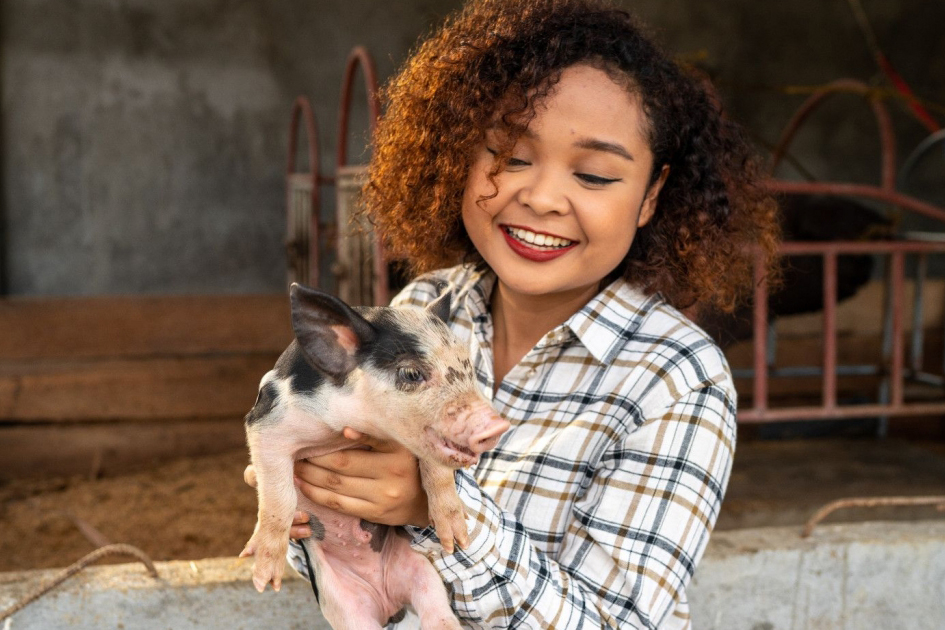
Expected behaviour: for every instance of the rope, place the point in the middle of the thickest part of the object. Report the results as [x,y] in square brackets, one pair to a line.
[119,549]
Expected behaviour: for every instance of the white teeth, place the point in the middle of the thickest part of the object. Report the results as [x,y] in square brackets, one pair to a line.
[538,240]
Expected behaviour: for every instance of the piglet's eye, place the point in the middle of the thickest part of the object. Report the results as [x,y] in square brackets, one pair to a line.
[410,375]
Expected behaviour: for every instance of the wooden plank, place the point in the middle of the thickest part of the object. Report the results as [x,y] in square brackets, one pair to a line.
[92,327]
[112,447]
[126,389]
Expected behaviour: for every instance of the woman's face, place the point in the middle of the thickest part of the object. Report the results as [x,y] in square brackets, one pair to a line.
[573,194]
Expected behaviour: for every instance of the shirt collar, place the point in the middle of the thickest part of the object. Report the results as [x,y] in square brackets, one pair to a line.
[475,292]
[603,325]
[609,320]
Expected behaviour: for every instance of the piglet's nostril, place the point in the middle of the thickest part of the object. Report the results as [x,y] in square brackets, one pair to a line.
[488,438]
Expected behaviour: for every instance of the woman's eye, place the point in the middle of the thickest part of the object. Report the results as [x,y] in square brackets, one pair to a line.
[512,161]
[595,180]
[410,375]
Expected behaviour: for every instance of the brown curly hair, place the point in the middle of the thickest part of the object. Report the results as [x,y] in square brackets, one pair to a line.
[490,64]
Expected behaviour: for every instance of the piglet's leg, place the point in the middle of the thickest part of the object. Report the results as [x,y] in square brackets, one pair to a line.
[446,510]
[277,502]
[420,584]
[346,603]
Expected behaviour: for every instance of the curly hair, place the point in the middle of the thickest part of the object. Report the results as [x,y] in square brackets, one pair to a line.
[489,65]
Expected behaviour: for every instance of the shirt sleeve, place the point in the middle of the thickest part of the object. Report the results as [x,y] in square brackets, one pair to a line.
[634,539]
[420,291]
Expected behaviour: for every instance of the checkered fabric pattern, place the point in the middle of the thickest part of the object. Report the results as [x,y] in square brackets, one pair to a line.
[597,504]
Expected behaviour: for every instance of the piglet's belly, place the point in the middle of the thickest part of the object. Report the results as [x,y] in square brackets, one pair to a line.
[374,563]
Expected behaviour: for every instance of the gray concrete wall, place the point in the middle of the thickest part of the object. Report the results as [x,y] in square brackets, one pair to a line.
[845,577]
[142,143]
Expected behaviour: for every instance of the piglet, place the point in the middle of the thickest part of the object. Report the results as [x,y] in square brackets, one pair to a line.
[394,373]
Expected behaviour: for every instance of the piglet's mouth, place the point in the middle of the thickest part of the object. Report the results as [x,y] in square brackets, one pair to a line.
[457,454]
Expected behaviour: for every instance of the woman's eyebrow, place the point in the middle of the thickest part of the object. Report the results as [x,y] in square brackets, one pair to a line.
[592,144]
[602,145]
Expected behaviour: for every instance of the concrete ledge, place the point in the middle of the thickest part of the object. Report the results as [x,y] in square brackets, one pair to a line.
[213,593]
[867,575]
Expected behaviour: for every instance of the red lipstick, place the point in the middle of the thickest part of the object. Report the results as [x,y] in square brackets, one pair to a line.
[530,253]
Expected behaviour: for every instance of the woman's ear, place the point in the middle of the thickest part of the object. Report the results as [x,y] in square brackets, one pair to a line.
[648,207]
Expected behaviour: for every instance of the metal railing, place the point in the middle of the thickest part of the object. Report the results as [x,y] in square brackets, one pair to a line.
[892,369]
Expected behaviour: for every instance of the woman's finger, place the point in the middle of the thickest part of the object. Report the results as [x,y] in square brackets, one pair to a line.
[375,444]
[352,506]
[355,462]
[299,532]
[249,476]
[364,488]
[300,526]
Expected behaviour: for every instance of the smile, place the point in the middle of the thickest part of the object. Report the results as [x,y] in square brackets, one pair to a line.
[542,242]
[536,247]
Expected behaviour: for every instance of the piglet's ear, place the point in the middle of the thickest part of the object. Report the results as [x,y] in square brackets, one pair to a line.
[440,306]
[328,330]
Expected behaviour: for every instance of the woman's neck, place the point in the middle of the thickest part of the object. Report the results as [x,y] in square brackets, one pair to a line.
[520,321]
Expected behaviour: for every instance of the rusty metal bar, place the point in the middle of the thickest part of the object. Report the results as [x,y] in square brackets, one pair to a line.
[815,248]
[869,502]
[359,56]
[883,122]
[918,303]
[760,325]
[898,343]
[302,110]
[830,330]
[763,416]
[858,190]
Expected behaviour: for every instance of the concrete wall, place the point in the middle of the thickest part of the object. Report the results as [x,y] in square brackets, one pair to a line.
[142,144]
[867,575]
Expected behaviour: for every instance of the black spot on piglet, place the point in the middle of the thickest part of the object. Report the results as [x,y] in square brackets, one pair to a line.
[318,528]
[378,534]
[453,375]
[398,616]
[264,403]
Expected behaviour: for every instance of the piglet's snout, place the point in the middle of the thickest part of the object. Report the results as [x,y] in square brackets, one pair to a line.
[487,439]
[486,427]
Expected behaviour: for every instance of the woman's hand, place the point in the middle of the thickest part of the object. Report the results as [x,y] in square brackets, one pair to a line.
[299,528]
[379,482]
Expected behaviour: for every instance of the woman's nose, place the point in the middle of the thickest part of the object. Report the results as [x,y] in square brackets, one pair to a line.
[544,193]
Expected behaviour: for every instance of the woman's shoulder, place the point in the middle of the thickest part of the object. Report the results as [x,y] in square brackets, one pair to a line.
[427,287]
[663,340]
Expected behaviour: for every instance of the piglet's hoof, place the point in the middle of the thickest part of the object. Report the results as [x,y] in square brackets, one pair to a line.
[269,565]
[450,525]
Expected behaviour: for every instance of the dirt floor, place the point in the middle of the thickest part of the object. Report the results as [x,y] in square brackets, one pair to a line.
[200,507]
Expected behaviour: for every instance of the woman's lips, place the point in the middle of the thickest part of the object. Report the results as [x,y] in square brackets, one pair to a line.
[533,252]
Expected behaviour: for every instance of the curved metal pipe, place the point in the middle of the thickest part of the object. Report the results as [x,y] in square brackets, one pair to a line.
[359,56]
[302,110]
[886,135]
[918,153]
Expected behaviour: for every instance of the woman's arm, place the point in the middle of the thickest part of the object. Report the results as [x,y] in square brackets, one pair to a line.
[634,540]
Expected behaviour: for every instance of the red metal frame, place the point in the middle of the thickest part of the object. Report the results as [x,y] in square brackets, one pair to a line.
[897,250]
[302,111]
[359,56]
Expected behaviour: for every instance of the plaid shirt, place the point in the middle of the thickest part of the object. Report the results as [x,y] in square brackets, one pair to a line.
[596,505]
